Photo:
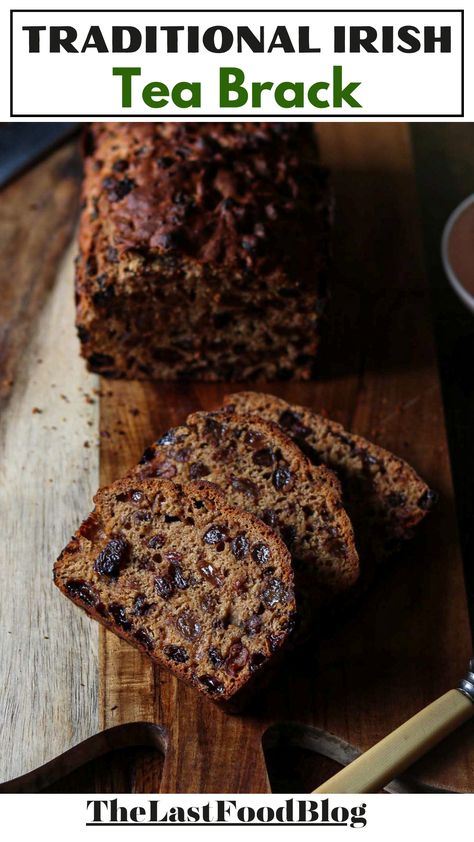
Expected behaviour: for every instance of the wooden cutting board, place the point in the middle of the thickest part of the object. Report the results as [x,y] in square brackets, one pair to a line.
[405,643]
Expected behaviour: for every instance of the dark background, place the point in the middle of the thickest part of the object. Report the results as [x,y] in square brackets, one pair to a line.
[444,160]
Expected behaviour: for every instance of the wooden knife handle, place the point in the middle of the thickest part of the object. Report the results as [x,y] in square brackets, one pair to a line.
[391,756]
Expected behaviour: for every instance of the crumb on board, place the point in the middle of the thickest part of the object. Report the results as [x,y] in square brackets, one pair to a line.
[36,410]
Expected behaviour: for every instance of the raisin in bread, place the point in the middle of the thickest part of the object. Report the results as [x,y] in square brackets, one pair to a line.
[203,250]
[206,591]
[384,496]
[261,470]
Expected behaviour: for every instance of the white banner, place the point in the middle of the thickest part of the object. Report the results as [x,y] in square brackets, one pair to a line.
[252,64]
[260,817]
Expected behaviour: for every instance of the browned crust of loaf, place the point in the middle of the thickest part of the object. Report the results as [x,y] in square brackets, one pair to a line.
[195,205]
[322,480]
[393,470]
[214,501]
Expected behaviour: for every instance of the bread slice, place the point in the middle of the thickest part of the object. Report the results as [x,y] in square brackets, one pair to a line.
[203,589]
[261,470]
[383,495]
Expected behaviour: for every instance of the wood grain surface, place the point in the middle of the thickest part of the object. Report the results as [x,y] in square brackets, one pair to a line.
[48,663]
[408,640]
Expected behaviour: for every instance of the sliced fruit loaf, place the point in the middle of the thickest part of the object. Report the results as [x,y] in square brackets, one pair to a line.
[383,495]
[203,589]
[262,471]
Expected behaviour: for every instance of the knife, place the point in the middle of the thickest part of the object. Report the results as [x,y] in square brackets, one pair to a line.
[391,756]
[22,144]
